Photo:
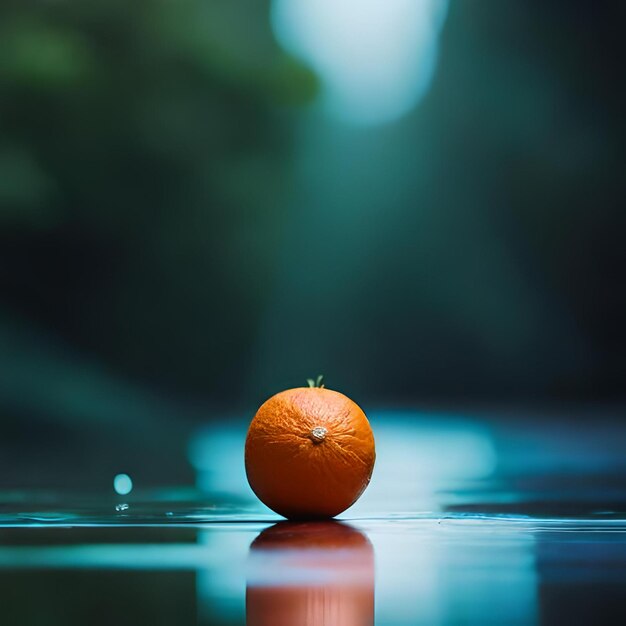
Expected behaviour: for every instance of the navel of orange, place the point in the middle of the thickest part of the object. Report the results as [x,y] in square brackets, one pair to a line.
[309,452]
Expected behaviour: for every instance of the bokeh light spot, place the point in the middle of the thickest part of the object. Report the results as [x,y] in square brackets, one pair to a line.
[375,58]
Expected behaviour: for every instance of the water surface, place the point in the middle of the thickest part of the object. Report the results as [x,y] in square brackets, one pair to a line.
[464,523]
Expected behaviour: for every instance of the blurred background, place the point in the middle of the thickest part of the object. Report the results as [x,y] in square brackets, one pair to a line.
[204,202]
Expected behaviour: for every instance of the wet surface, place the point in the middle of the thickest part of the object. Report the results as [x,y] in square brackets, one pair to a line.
[464,523]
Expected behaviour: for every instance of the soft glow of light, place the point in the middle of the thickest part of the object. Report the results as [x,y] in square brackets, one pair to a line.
[418,455]
[217,456]
[122,484]
[175,556]
[375,57]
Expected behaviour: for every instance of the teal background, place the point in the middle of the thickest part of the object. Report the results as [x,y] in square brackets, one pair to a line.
[185,231]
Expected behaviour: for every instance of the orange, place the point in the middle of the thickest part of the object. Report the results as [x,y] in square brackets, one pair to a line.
[309,452]
[310,573]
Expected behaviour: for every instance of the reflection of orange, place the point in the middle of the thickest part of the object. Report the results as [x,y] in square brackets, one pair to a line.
[309,453]
[310,574]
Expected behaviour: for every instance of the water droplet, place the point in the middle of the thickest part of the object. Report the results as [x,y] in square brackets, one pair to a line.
[121,507]
[123,484]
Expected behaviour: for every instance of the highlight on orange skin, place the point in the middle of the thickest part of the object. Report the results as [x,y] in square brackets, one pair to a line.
[310,573]
[309,453]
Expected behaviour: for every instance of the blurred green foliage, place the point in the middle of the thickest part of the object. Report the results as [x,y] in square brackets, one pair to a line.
[144,151]
[144,172]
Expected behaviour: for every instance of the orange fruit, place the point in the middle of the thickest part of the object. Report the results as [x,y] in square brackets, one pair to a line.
[310,573]
[309,452]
